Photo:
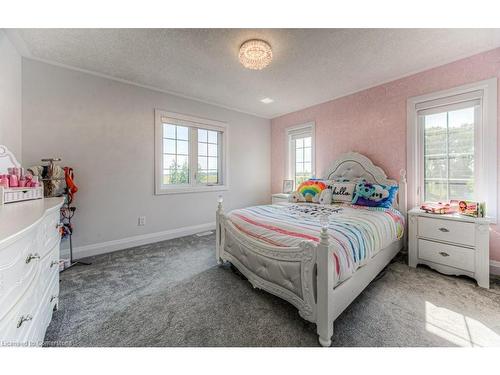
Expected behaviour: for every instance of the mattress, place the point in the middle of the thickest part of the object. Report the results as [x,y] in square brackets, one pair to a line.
[356,233]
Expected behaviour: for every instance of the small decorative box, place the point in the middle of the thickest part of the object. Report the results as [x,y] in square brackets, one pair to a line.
[18,194]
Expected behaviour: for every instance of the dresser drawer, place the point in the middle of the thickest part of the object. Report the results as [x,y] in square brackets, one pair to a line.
[48,233]
[43,315]
[15,326]
[19,265]
[446,230]
[49,269]
[448,255]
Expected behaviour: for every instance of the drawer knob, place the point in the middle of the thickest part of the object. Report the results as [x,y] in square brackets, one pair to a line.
[442,253]
[53,298]
[23,319]
[31,257]
[445,230]
[54,263]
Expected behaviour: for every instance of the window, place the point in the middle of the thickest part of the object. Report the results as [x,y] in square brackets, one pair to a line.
[448,169]
[300,163]
[190,154]
[452,146]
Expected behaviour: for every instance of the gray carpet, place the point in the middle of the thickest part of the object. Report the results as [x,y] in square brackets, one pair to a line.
[172,293]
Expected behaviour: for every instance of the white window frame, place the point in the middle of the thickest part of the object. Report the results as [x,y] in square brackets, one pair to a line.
[192,122]
[307,128]
[485,165]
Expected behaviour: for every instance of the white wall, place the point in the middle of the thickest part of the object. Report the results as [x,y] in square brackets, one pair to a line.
[10,96]
[104,129]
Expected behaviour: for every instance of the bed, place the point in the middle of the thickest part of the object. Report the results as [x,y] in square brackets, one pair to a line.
[317,257]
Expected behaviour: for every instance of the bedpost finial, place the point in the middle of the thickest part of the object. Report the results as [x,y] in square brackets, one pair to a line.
[324,221]
[220,199]
[402,173]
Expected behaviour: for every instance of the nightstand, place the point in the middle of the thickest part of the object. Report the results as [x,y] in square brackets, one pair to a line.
[279,198]
[450,244]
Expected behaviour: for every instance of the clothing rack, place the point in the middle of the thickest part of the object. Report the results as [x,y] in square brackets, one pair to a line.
[67,210]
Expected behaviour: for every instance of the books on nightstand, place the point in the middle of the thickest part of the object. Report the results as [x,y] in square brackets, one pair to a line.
[463,207]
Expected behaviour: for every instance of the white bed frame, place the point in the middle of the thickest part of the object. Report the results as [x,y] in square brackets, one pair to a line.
[304,275]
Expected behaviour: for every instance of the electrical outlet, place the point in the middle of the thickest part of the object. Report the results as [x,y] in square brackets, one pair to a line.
[141,221]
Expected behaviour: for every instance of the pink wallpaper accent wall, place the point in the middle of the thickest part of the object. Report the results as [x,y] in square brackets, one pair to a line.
[373,121]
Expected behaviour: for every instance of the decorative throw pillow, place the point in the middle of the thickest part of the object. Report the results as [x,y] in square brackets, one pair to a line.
[309,191]
[374,195]
[325,197]
[342,191]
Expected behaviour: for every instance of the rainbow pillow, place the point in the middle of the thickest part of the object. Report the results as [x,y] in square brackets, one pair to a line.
[311,189]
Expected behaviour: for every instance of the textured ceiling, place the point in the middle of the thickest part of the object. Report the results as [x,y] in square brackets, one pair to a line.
[310,66]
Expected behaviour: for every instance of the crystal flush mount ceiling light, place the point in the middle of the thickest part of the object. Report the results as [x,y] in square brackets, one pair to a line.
[255,54]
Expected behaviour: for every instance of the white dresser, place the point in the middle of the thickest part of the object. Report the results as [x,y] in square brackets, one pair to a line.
[450,244]
[29,270]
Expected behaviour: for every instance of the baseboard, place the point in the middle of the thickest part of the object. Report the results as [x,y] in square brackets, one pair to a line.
[495,267]
[142,239]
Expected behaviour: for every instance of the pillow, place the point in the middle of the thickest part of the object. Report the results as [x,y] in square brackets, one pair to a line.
[342,191]
[374,195]
[325,197]
[309,191]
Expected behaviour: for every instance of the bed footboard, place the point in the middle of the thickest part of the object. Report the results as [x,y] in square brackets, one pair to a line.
[289,274]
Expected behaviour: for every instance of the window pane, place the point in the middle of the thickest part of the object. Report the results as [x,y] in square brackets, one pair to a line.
[435,167]
[168,146]
[201,177]
[307,167]
[212,177]
[462,167]
[182,147]
[166,179]
[202,149]
[461,190]
[202,135]
[299,168]
[168,162]
[449,155]
[299,143]
[182,161]
[299,155]
[182,132]
[436,191]
[307,154]
[202,163]
[212,150]
[179,176]
[212,137]
[168,131]
[307,142]
[461,131]
[212,163]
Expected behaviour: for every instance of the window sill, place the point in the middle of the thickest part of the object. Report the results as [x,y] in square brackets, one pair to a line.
[191,189]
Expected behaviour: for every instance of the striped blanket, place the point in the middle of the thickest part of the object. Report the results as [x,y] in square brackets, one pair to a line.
[356,233]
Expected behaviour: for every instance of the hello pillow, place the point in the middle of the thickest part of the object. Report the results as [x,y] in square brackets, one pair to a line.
[342,191]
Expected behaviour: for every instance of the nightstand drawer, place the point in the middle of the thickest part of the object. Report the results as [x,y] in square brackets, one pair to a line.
[448,255]
[446,230]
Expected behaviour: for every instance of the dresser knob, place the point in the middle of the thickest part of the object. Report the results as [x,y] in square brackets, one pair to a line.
[31,257]
[53,298]
[444,230]
[442,253]
[23,319]
[54,263]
